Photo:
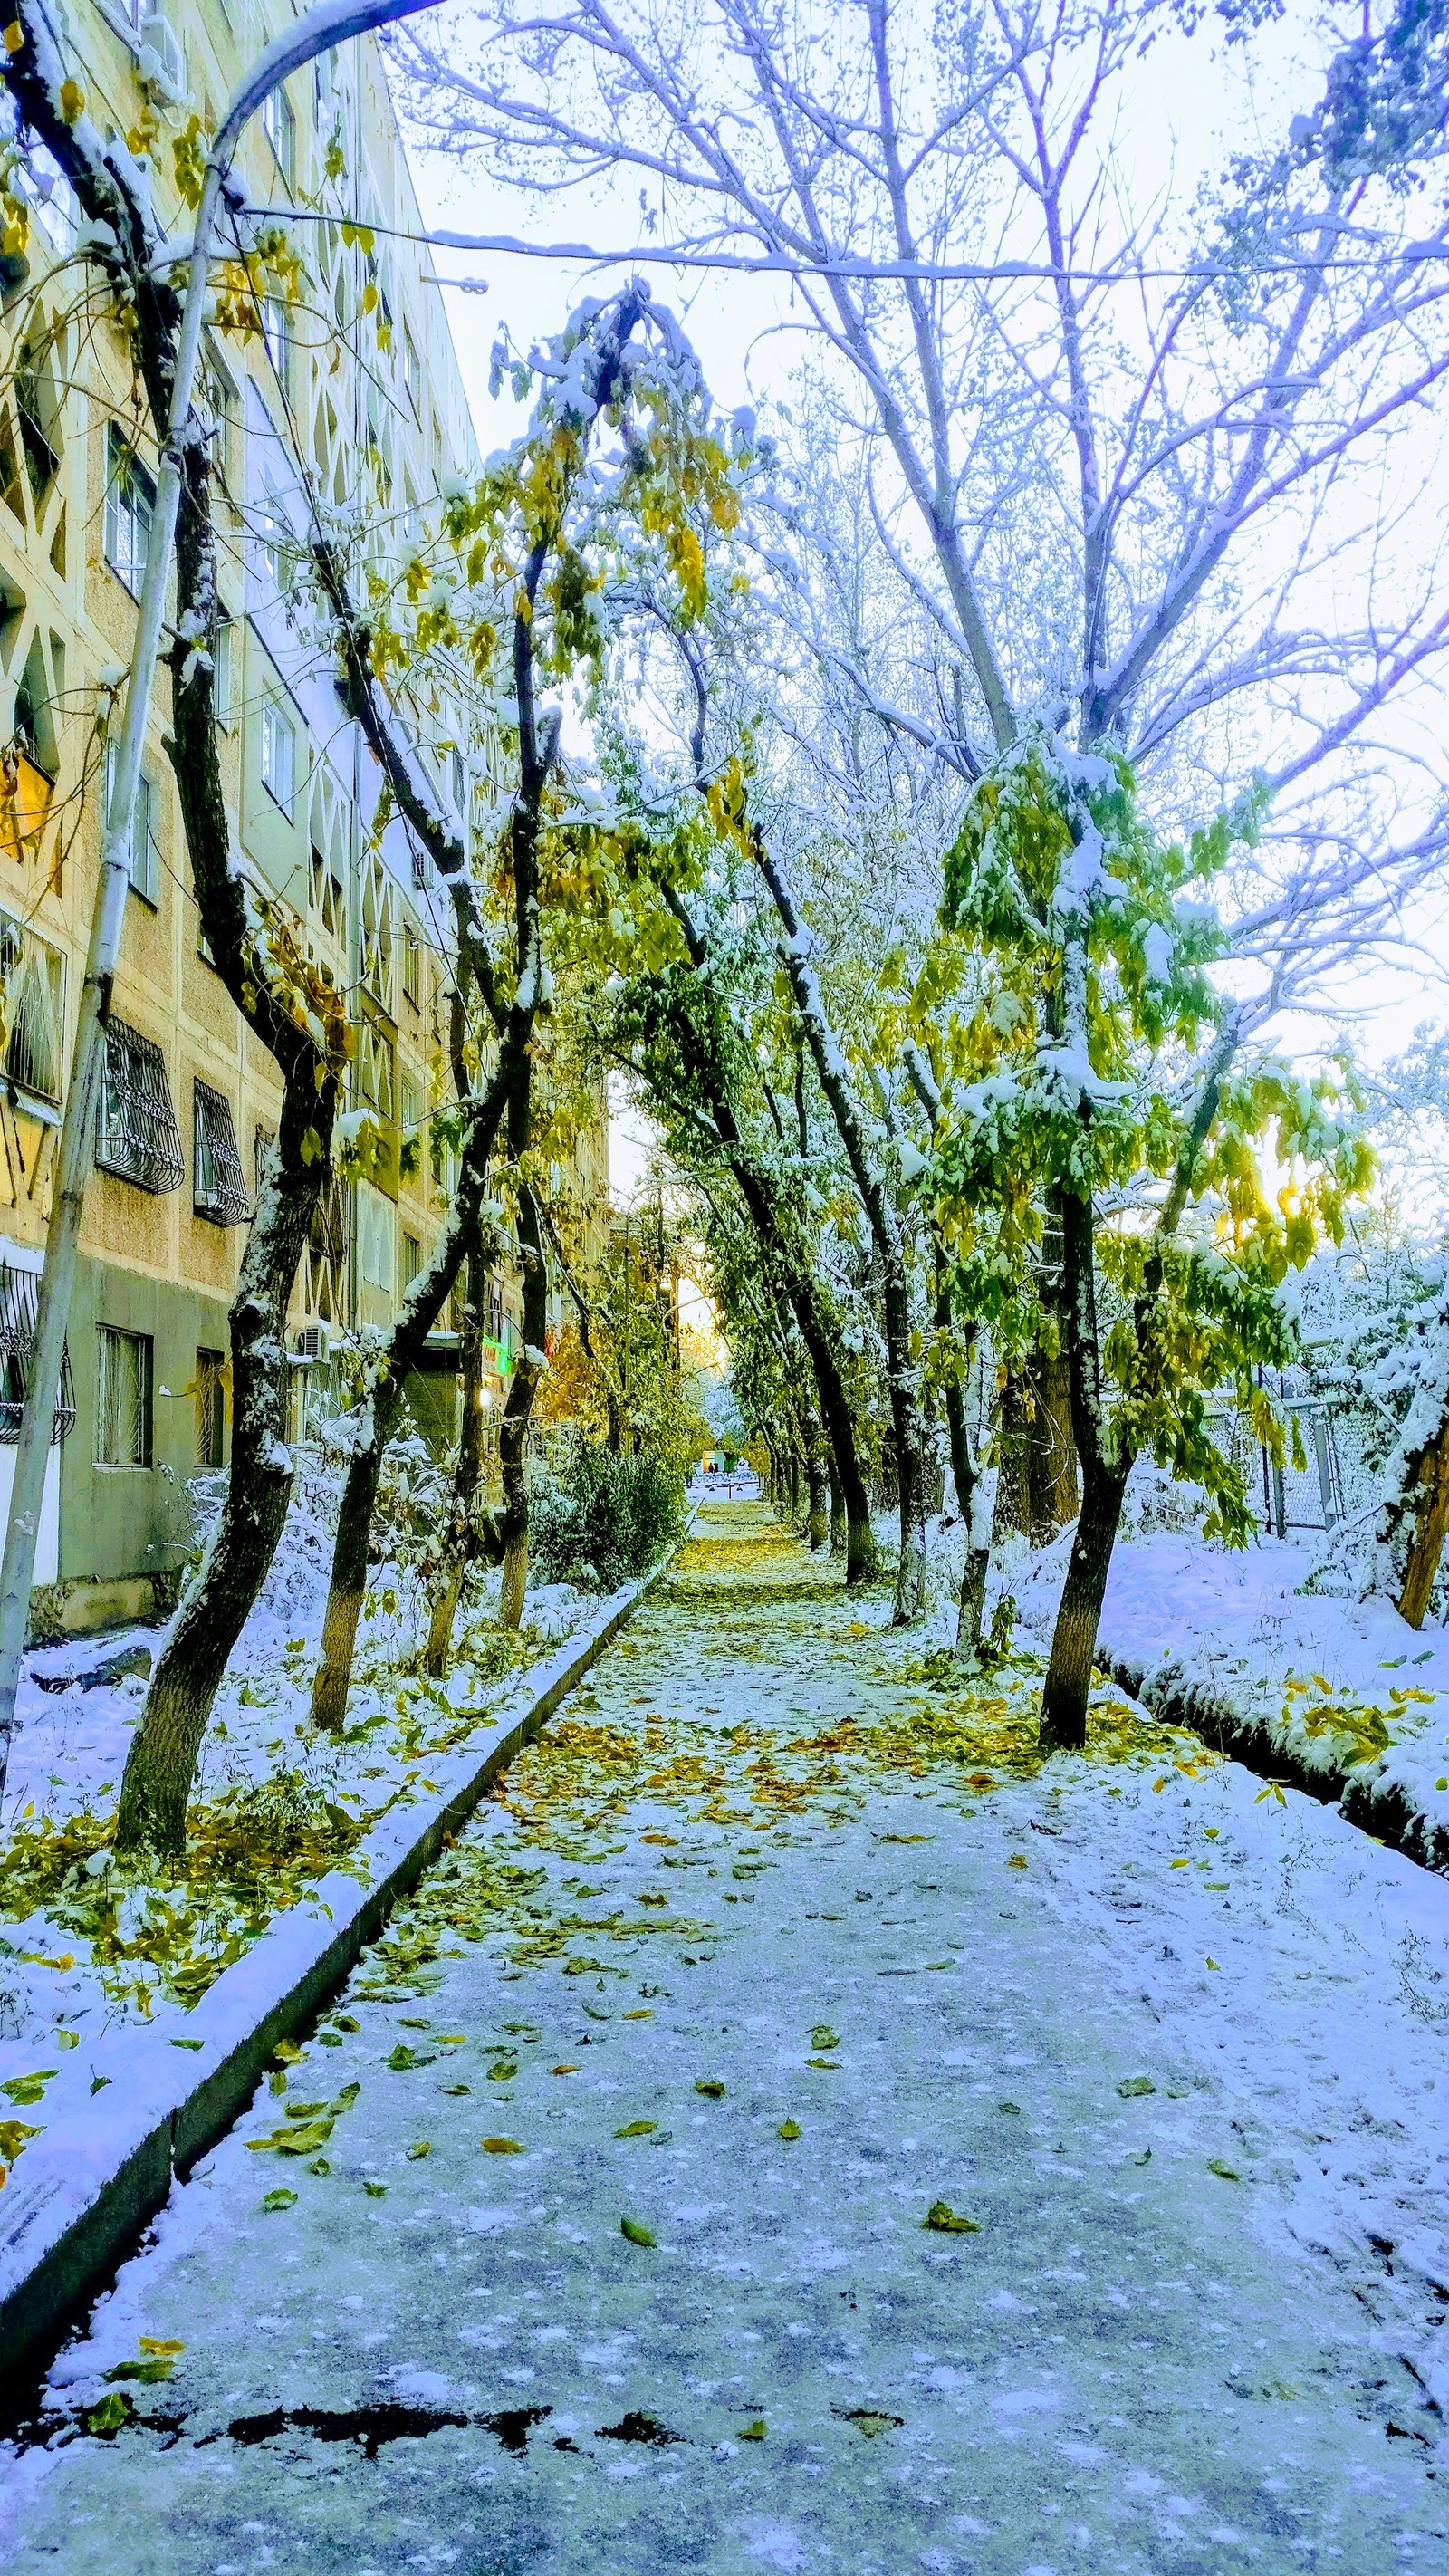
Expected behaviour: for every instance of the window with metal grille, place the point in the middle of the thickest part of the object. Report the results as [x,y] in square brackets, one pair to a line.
[136,1131]
[211,1408]
[218,1183]
[19,1299]
[327,1232]
[123,1408]
[130,501]
[32,1010]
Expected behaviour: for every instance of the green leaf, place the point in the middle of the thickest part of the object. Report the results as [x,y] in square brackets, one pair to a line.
[830,2065]
[420,2147]
[501,2147]
[13,2134]
[504,2072]
[375,2190]
[188,2043]
[1227,2173]
[949,2222]
[822,2036]
[755,2432]
[29,2088]
[636,2233]
[711,2085]
[637,2129]
[1136,2084]
[148,2371]
[789,2130]
[279,2199]
[111,2414]
[403,2056]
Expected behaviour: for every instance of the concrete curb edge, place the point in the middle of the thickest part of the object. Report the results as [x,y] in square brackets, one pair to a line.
[1377,1807]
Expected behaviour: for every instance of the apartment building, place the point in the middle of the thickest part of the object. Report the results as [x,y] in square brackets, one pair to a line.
[355,390]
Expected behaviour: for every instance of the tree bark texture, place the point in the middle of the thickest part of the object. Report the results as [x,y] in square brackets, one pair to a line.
[1430,1492]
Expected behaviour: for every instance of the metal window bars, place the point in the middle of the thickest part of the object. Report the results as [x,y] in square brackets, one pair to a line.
[219,1189]
[19,1301]
[136,1131]
[327,1227]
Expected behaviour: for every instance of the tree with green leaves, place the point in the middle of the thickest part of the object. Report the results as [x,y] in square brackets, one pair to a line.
[1125,1106]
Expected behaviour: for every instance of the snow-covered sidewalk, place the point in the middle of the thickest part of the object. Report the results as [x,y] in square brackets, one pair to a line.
[793,2130]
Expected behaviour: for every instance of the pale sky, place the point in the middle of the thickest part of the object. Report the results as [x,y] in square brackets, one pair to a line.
[1190,114]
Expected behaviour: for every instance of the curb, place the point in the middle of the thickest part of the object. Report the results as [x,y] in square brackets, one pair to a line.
[1377,1807]
[84,2192]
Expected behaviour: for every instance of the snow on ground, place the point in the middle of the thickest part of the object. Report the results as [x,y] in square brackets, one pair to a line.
[1031,2170]
[60,1992]
[1336,1681]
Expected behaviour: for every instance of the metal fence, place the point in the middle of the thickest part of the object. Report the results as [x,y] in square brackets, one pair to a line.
[1336,1480]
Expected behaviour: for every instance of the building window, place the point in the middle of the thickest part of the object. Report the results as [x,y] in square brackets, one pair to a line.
[276,333]
[123,1411]
[279,124]
[211,1408]
[136,1131]
[221,667]
[412,968]
[376,1239]
[377,932]
[412,373]
[19,1306]
[278,757]
[38,411]
[130,501]
[327,897]
[145,846]
[32,1008]
[218,1183]
[412,1259]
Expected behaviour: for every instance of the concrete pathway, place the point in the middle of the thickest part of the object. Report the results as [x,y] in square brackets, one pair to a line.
[608,2244]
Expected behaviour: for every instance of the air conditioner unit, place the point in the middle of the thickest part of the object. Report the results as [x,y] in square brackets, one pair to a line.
[314,1342]
[160,62]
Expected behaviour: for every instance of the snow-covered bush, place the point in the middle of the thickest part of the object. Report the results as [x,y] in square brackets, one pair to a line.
[601,1517]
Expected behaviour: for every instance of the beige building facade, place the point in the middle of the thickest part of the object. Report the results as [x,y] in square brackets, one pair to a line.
[352,395]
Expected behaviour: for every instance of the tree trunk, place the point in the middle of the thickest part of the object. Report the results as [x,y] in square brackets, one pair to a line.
[161,1762]
[1430,1489]
[967,1479]
[886,1234]
[818,1526]
[399,1356]
[459,1540]
[837,1507]
[1012,1513]
[910,1444]
[518,1412]
[1074,1640]
[1051,1493]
